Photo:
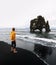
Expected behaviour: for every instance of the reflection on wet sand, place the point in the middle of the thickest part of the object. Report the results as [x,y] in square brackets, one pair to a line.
[42,51]
[46,53]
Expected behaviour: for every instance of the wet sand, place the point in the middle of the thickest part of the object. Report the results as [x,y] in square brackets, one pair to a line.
[46,53]
[23,56]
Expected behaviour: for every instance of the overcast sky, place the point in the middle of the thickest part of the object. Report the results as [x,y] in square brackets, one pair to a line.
[18,13]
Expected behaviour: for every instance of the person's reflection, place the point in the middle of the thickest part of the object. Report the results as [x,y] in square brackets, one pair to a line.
[42,51]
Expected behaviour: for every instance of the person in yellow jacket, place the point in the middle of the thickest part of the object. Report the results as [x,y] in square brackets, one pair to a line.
[13,40]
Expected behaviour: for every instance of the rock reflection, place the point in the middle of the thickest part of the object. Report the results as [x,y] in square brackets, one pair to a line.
[42,51]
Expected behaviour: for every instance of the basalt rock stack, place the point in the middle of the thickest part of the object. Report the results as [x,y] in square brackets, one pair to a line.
[39,23]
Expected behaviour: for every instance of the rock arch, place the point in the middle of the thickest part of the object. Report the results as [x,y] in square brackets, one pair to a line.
[39,23]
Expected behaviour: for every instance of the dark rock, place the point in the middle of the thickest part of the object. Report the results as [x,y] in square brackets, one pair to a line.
[39,23]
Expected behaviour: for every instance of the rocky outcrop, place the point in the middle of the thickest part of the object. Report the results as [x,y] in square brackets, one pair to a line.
[39,23]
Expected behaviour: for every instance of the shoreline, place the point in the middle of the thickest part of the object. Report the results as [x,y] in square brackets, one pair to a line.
[22,57]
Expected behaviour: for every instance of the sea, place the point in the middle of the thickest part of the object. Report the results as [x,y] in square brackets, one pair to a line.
[46,39]
[42,44]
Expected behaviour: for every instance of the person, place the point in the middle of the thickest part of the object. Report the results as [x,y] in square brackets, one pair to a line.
[13,40]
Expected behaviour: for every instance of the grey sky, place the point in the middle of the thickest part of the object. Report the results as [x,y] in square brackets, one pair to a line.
[18,13]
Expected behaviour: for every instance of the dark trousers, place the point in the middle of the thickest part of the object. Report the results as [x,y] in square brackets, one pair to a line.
[13,44]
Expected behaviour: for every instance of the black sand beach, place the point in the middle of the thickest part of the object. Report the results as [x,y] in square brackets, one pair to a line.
[23,57]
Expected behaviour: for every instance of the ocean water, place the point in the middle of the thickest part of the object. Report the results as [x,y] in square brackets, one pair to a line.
[46,39]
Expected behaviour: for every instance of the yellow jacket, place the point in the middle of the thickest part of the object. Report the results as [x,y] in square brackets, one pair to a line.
[13,35]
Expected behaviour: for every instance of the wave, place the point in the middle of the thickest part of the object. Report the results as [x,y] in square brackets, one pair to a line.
[37,40]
